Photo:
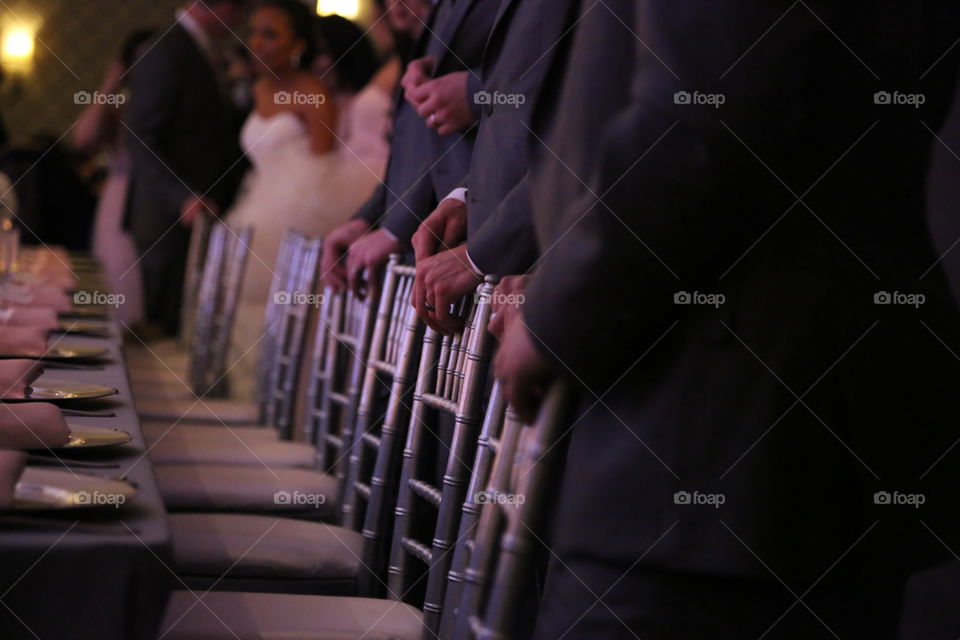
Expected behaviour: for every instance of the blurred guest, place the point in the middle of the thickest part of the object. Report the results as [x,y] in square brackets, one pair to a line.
[521,74]
[424,165]
[99,128]
[303,176]
[183,146]
[240,76]
[739,447]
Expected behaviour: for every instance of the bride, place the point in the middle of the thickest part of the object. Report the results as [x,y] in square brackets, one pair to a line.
[305,174]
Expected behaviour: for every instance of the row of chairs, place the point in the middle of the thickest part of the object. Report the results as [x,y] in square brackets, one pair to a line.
[438,519]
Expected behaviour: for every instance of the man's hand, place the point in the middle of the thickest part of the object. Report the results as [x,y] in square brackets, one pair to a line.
[418,72]
[524,372]
[445,228]
[441,281]
[194,206]
[333,267]
[16,376]
[442,103]
[366,260]
[507,299]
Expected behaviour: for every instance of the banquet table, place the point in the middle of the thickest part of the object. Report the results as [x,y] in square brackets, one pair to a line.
[100,573]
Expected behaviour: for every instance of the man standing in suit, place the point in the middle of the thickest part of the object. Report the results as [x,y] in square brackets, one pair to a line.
[427,159]
[183,137]
[522,72]
[762,338]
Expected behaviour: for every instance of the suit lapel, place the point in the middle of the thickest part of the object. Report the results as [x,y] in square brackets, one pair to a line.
[446,32]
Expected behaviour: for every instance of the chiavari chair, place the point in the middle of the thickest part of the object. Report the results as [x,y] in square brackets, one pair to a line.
[512,523]
[451,381]
[313,557]
[327,617]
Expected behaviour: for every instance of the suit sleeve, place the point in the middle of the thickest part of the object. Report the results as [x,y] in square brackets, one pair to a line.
[154,93]
[662,214]
[505,244]
[372,210]
[409,208]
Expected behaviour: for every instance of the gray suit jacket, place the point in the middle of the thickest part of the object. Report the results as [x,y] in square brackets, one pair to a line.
[182,138]
[802,398]
[522,73]
[423,166]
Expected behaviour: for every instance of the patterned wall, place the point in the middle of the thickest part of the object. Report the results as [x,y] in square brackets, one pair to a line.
[75,41]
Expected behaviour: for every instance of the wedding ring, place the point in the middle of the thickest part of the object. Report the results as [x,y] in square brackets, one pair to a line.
[432,119]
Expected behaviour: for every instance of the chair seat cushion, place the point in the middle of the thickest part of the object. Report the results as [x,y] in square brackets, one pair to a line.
[250,546]
[192,410]
[157,429]
[262,616]
[239,489]
[225,446]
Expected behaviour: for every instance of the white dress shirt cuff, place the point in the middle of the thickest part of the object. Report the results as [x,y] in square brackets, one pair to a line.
[459,193]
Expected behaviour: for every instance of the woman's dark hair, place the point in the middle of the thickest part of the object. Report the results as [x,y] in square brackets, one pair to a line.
[301,21]
[354,58]
[128,52]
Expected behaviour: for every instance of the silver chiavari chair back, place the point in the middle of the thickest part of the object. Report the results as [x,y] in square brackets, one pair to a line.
[512,521]
[374,455]
[451,379]
[284,375]
[217,296]
[235,265]
[196,256]
[344,330]
[494,435]
[282,280]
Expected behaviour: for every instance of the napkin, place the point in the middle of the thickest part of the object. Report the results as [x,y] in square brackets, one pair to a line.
[12,464]
[16,376]
[39,317]
[42,296]
[29,342]
[32,425]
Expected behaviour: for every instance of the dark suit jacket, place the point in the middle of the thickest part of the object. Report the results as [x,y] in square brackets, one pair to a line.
[423,166]
[183,138]
[522,71]
[798,398]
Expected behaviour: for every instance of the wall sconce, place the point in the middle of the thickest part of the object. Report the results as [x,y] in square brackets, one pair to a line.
[349,9]
[16,52]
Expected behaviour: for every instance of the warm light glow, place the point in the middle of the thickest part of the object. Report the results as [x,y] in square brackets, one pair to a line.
[17,46]
[346,8]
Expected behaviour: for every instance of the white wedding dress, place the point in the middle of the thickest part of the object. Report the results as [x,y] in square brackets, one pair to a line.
[290,187]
